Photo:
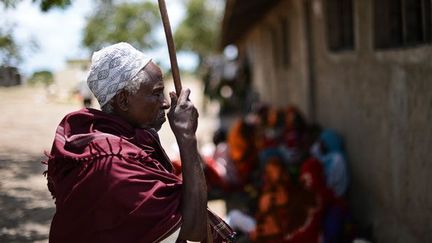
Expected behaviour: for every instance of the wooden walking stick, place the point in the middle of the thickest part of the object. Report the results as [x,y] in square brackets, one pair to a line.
[171,47]
[175,71]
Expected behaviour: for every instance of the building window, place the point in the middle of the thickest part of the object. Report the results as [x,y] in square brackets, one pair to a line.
[402,23]
[280,43]
[274,35]
[340,25]
[285,56]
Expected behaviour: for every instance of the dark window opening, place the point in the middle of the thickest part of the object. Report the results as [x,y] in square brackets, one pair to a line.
[340,25]
[401,23]
[279,35]
[285,42]
[275,46]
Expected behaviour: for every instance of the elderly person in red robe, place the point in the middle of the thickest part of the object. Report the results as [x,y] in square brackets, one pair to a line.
[109,175]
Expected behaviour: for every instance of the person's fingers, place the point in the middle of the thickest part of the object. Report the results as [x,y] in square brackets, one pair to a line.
[195,112]
[184,96]
[173,98]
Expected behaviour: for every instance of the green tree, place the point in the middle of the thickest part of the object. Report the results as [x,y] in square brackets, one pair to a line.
[198,32]
[41,77]
[132,22]
[9,3]
[9,50]
[44,5]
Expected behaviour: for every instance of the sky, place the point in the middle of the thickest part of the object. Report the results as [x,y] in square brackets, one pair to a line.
[58,34]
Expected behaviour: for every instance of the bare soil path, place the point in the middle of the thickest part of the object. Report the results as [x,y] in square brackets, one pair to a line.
[27,125]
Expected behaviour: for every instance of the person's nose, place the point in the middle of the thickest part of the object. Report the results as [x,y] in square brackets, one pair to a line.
[165,104]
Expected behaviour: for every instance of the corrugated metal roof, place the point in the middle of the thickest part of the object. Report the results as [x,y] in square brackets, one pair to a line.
[240,16]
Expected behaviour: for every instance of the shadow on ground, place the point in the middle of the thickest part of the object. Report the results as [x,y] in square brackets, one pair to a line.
[25,202]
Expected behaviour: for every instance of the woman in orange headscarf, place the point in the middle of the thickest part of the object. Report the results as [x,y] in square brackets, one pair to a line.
[243,149]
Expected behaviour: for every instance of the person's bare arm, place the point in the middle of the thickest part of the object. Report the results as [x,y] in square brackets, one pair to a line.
[183,118]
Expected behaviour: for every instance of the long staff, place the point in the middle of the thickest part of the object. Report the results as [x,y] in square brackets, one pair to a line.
[171,46]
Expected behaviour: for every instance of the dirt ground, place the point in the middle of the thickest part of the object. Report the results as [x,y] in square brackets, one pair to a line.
[28,120]
[27,124]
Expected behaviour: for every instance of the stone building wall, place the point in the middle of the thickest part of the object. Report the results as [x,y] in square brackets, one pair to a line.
[379,99]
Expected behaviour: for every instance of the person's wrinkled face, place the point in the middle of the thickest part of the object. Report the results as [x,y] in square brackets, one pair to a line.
[146,108]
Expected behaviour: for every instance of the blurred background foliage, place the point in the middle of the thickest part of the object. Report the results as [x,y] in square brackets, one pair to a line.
[44,5]
[9,49]
[130,21]
[44,77]
[199,31]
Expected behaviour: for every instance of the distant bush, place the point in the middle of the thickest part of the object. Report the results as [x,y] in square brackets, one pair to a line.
[41,77]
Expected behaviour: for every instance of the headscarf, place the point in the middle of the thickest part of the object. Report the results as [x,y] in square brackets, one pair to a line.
[332,141]
[333,161]
[243,149]
[112,67]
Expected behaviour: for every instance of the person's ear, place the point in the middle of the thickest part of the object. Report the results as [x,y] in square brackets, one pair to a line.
[121,100]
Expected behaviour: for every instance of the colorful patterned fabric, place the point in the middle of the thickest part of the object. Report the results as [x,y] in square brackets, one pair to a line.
[286,211]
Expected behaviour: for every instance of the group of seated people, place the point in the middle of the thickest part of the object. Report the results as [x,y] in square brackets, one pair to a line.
[284,180]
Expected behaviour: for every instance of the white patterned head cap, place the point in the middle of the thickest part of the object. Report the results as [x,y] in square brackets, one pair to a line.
[112,68]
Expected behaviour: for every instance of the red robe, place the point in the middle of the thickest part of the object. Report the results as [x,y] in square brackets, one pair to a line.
[112,182]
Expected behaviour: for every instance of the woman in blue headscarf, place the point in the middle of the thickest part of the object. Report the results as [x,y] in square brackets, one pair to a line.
[329,150]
